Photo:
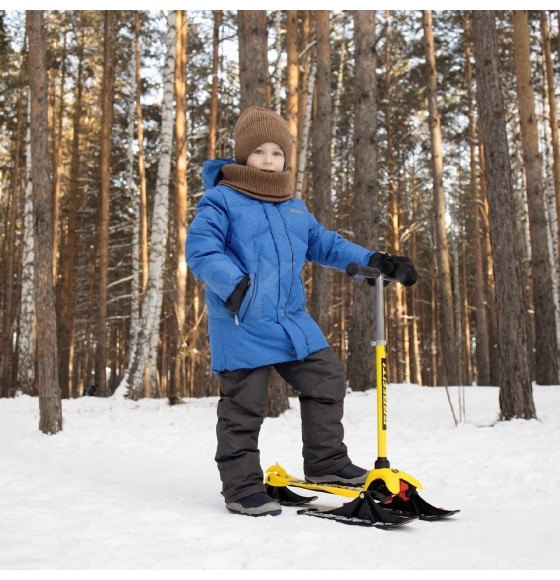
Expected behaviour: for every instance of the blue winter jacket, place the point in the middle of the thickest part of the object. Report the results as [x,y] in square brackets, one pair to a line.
[233,236]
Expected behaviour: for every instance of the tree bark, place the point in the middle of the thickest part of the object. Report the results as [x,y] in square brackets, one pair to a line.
[487,260]
[213,128]
[361,363]
[482,343]
[516,397]
[106,146]
[399,338]
[180,206]
[320,294]
[50,408]
[146,348]
[26,350]
[292,85]
[551,84]
[66,306]
[278,67]
[253,59]
[303,135]
[7,388]
[546,350]
[306,65]
[134,193]
[443,282]
[141,162]
[58,159]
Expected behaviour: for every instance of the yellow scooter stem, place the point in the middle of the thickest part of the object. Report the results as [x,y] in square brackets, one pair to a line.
[383,470]
[381,366]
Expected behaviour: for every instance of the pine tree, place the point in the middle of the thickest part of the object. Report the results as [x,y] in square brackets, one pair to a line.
[516,397]
[50,419]
[361,367]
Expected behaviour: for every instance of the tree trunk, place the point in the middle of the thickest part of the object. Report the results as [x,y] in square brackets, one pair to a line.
[278,83]
[66,307]
[253,59]
[141,163]
[7,389]
[482,343]
[487,261]
[106,146]
[443,285]
[134,193]
[66,295]
[546,350]
[26,350]
[416,363]
[292,85]
[553,197]
[50,408]
[58,160]
[398,339]
[361,363]
[516,397]
[303,135]
[459,331]
[320,294]
[336,174]
[551,84]
[213,128]
[306,64]
[146,347]
[180,205]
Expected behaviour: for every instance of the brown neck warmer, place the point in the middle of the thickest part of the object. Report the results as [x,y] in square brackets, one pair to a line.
[256,183]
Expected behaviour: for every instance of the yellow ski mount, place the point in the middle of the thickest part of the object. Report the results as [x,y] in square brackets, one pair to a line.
[277,476]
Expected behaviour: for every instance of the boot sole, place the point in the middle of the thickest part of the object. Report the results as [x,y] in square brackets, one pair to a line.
[355,482]
[269,509]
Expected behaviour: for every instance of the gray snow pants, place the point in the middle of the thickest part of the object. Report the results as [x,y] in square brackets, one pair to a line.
[320,383]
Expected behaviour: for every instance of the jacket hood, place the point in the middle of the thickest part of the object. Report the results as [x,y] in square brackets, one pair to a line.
[212,171]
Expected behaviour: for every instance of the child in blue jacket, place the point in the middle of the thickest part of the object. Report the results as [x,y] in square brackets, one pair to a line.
[249,242]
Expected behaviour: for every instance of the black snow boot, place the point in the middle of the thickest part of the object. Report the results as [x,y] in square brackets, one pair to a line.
[258,504]
[350,474]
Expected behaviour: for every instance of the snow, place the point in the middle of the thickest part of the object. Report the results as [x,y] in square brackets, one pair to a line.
[133,486]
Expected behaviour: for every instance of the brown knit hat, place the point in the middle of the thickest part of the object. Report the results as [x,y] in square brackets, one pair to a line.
[256,126]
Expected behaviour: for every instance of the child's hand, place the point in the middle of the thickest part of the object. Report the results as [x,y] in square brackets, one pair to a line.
[404,271]
[396,269]
[235,300]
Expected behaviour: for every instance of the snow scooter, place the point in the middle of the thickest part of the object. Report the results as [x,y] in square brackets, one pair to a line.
[389,497]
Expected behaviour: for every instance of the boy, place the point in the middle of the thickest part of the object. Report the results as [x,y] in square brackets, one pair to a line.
[249,242]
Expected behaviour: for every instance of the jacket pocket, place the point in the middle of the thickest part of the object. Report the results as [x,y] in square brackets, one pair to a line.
[249,299]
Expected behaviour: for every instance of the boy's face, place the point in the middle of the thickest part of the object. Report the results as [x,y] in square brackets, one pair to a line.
[267,157]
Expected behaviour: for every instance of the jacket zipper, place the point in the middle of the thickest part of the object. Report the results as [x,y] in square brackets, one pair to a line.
[292,279]
[253,288]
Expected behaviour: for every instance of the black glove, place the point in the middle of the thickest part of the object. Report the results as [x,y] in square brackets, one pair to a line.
[404,271]
[383,263]
[395,268]
[235,300]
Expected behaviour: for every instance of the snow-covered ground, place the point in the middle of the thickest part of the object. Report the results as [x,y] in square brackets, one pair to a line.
[133,486]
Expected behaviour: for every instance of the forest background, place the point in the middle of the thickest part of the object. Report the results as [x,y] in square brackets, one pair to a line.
[432,135]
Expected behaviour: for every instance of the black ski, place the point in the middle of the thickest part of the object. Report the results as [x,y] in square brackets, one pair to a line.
[412,503]
[362,511]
